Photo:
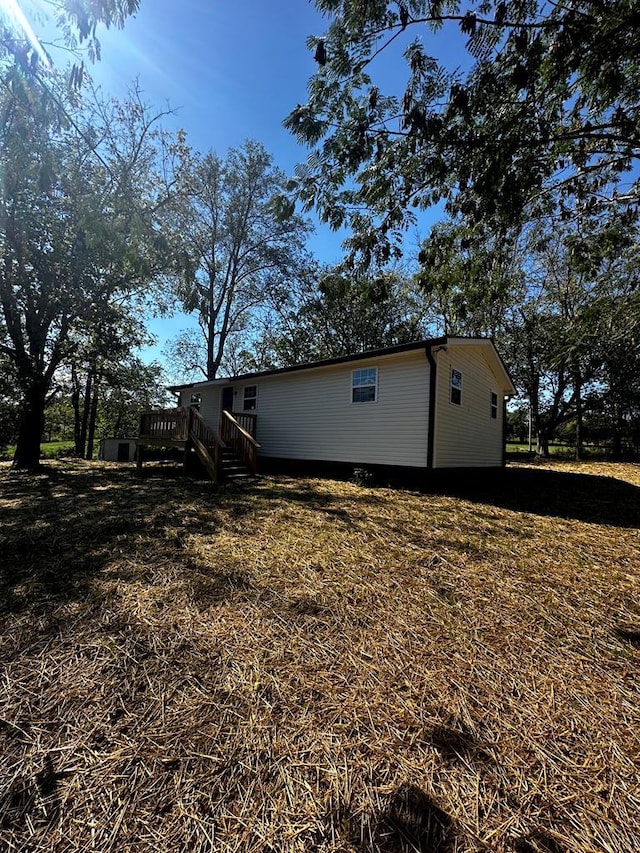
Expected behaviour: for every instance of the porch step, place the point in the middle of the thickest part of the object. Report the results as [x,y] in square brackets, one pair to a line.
[231,466]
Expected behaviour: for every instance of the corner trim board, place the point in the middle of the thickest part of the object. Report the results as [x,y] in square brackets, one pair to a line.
[431,422]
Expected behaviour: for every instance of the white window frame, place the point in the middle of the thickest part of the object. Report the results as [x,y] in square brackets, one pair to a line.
[373,384]
[246,399]
[493,407]
[457,387]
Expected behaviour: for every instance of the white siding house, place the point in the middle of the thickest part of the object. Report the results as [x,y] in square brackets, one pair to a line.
[393,407]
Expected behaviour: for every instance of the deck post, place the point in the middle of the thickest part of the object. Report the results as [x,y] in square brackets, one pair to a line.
[186,456]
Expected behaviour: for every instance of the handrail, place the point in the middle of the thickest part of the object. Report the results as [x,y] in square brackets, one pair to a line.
[206,443]
[240,440]
[240,429]
[186,425]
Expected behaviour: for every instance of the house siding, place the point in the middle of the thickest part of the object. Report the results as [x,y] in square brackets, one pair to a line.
[209,404]
[466,435]
[309,414]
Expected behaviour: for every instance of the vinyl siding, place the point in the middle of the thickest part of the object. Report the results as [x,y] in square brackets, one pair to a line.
[466,435]
[309,414]
[209,405]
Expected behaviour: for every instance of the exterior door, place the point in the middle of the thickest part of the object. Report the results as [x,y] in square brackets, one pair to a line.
[227,399]
[123,451]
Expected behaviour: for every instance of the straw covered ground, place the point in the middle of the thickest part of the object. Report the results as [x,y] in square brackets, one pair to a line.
[300,664]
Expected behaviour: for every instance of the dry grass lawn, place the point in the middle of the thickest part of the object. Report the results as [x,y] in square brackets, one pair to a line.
[297,665]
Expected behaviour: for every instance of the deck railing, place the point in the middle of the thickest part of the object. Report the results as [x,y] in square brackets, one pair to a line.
[247,421]
[169,424]
[237,437]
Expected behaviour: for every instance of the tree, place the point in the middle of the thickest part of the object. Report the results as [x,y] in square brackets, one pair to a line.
[340,315]
[78,217]
[100,363]
[543,108]
[238,249]
[111,404]
[130,388]
[561,302]
[469,285]
[8,403]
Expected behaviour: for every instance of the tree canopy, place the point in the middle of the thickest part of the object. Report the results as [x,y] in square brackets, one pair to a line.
[563,304]
[236,248]
[77,22]
[78,233]
[542,110]
[335,314]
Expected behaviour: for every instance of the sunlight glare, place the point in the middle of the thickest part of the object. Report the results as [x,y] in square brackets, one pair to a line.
[12,10]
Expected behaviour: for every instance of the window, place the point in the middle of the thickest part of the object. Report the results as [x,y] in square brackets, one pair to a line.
[195,401]
[494,405]
[250,399]
[364,385]
[456,386]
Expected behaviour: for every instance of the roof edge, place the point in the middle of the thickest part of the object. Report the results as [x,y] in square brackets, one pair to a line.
[310,365]
[425,343]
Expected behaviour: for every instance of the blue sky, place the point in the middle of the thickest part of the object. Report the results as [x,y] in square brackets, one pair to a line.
[231,71]
[234,71]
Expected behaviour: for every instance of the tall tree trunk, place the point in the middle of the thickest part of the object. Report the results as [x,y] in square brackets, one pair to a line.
[543,443]
[577,383]
[31,426]
[86,405]
[617,426]
[77,420]
[93,416]
[117,426]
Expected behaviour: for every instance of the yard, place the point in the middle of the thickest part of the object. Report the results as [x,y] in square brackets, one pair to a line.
[297,665]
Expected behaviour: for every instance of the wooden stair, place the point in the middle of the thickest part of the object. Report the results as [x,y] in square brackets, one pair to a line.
[229,455]
[231,466]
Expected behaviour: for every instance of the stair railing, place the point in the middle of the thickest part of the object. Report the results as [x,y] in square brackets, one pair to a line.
[206,443]
[236,437]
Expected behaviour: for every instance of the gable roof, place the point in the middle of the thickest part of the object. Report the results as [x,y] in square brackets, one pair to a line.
[426,344]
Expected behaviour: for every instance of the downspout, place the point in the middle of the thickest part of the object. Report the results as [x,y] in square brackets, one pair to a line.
[505,400]
[504,432]
[431,423]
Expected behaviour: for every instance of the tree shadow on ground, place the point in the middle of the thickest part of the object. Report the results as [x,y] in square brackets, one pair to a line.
[61,527]
[409,821]
[583,497]
[307,493]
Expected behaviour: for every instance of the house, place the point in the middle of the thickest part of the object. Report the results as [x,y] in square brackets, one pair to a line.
[431,404]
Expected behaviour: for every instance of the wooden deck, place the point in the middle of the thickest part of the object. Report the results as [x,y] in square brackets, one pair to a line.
[187,430]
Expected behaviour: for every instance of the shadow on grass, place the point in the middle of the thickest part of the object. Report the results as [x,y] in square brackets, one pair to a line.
[631,636]
[409,821]
[61,527]
[562,494]
[583,497]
